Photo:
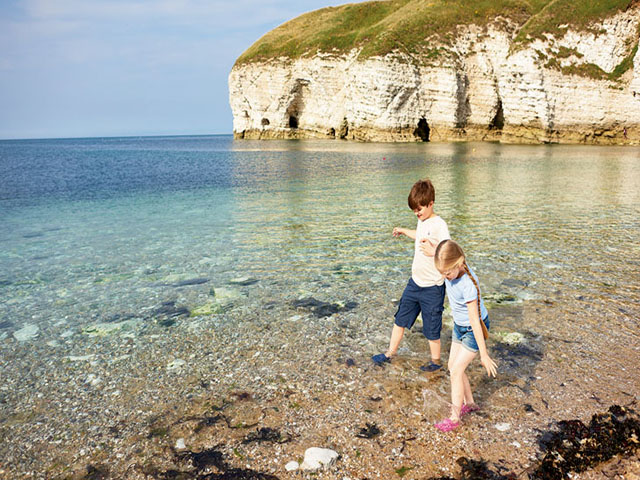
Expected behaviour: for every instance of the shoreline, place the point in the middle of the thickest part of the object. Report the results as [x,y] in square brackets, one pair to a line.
[524,135]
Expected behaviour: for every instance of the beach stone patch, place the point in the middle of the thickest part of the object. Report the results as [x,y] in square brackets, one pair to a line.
[5,324]
[316,458]
[27,332]
[322,309]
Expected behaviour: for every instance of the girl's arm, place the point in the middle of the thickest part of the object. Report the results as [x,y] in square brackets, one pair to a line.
[485,359]
[397,231]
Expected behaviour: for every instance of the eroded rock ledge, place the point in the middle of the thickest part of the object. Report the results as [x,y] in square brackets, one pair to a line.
[480,87]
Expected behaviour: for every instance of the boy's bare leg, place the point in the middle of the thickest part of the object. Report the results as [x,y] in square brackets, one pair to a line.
[396,337]
[434,347]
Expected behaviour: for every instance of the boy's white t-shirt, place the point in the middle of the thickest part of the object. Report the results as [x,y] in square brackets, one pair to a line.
[423,270]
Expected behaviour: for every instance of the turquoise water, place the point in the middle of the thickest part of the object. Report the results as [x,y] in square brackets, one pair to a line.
[98,229]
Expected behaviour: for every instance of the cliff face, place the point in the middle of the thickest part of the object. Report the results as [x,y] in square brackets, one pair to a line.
[483,87]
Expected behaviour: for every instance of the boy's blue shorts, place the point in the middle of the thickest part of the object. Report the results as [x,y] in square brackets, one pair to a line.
[429,301]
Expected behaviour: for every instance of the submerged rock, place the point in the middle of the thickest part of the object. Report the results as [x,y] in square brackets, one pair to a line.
[191,281]
[209,308]
[27,332]
[176,364]
[243,281]
[106,328]
[511,338]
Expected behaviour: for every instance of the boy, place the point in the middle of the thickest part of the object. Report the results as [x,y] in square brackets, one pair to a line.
[425,290]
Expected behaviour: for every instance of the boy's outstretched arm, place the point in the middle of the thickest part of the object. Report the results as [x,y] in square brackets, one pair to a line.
[397,231]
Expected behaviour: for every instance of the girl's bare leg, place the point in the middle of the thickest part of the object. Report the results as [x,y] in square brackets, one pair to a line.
[463,358]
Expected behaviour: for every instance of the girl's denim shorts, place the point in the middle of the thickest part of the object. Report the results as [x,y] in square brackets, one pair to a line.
[465,336]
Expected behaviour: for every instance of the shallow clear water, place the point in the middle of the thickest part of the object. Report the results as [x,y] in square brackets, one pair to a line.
[99,229]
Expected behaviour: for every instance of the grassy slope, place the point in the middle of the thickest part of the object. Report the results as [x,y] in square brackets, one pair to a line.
[380,27]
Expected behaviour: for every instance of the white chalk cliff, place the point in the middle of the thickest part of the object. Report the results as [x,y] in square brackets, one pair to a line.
[485,88]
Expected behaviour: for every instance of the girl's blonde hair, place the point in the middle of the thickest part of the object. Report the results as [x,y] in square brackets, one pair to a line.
[449,255]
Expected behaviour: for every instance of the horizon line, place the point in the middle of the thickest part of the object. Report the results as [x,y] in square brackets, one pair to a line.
[90,137]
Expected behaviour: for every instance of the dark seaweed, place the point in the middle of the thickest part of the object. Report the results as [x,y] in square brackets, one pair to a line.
[576,447]
[266,434]
[323,309]
[369,431]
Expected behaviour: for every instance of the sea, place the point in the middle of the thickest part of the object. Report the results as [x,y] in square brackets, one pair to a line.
[85,223]
[107,243]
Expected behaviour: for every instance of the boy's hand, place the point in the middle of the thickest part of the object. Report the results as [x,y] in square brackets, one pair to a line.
[428,246]
[397,231]
[489,364]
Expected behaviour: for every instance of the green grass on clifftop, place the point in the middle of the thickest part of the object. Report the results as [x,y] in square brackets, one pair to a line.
[380,27]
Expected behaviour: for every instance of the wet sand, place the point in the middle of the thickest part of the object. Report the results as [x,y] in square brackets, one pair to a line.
[247,395]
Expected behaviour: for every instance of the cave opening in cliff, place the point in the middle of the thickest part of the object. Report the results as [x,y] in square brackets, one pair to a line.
[498,120]
[293,121]
[265,122]
[422,131]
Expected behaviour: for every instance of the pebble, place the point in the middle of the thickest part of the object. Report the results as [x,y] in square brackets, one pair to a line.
[316,458]
[180,445]
[503,427]
[292,466]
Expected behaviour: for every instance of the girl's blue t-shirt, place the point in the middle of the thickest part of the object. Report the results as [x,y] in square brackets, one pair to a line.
[460,291]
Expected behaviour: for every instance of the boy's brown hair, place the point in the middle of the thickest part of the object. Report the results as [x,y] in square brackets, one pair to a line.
[422,194]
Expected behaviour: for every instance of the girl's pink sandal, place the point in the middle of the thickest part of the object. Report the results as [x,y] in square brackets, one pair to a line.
[447,425]
[468,409]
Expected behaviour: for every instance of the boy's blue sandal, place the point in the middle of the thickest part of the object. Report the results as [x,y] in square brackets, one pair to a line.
[380,359]
[432,367]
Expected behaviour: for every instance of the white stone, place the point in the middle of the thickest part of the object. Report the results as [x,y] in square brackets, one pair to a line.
[503,427]
[316,458]
[180,445]
[93,380]
[292,466]
[176,364]
[27,332]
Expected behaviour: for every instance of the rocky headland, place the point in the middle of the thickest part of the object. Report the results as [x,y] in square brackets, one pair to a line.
[402,70]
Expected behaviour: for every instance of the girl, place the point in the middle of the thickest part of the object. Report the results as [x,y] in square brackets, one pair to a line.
[469,333]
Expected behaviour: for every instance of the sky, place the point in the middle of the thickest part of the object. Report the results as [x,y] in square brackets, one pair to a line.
[87,68]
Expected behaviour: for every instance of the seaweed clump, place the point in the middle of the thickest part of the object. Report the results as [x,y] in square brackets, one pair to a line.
[576,447]
[201,463]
